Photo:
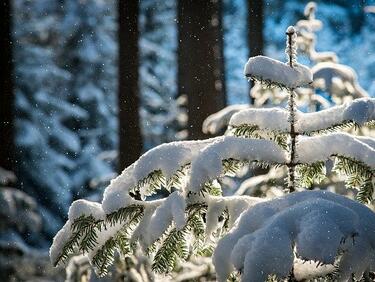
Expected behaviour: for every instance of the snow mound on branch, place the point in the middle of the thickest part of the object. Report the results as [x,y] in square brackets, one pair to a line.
[359,111]
[329,72]
[270,119]
[235,205]
[278,72]
[208,165]
[77,209]
[319,224]
[217,121]
[61,238]
[85,208]
[319,148]
[167,157]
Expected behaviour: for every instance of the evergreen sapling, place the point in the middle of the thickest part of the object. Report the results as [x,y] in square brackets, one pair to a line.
[264,238]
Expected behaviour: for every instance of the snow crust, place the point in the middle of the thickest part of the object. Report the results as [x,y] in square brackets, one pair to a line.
[278,72]
[276,119]
[318,148]
[208,165]
[318,223]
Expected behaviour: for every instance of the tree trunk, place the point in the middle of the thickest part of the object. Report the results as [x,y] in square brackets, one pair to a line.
[130,138]
[255,30]
[6,91]
[200,61]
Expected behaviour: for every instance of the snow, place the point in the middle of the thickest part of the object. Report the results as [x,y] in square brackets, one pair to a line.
[235,205]
[59,241]
[320,148]
[214,211]
[85,208]
[310,269]
[208,165]
[278,72]
[276,119]
[327,72]
[172,209]
[269,119]
[360,111]
[141,231]
[214,123]
[315,222]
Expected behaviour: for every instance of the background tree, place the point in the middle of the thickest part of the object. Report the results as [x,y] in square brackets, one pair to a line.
[255,31]
[130,144]
[6,91]
[162,116]
[200,60]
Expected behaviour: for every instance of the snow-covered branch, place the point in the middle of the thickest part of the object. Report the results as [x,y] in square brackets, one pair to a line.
[311,225]
[275,72]
[208,165]
[320,148]
[358,111]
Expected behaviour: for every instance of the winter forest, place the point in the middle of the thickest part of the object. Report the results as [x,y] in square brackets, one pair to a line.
[186,140]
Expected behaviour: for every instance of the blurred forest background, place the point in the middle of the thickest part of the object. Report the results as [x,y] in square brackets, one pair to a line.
[88,85]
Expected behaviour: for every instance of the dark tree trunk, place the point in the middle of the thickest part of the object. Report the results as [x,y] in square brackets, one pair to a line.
[200,61]
[6,91]
[255,29]
[130,145]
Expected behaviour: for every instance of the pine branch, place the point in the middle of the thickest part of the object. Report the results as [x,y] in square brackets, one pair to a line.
[308,174]
[211,188]
[232,166]
[344,125]
[366,191]
[83,237]
[267,83]
[253,131]
[246,130]
[150,184]
[174,245]
[105,255]
[176,180]
[358,173]
[336,127]
[124,214]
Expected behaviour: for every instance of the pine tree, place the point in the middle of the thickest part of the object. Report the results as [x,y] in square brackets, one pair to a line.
[200,77]
[270,237]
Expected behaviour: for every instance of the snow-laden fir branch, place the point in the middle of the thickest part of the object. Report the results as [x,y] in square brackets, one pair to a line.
[320,148]
[167,158]
[329,73]
[273,72]
[359,112]
[312,226]
[208,165]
